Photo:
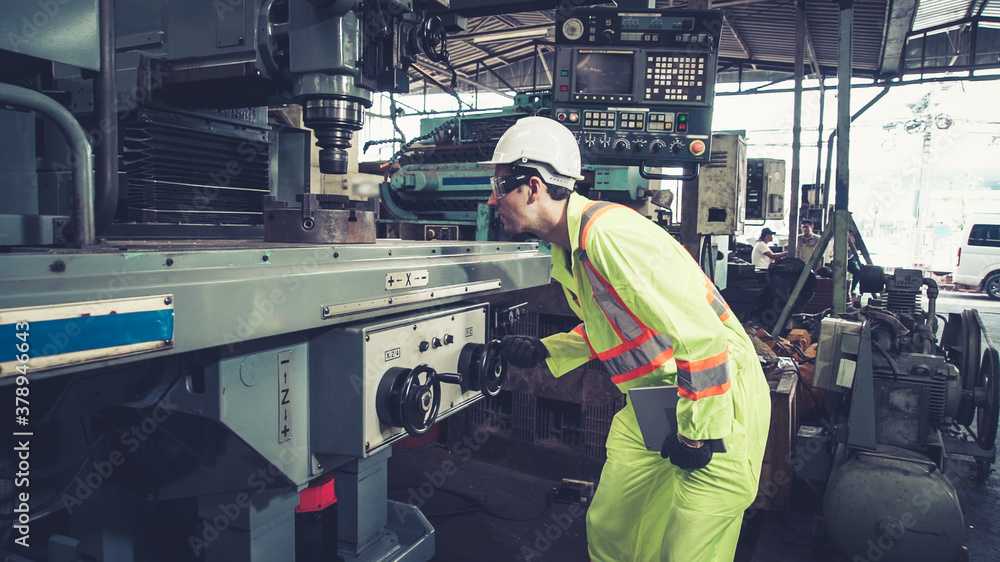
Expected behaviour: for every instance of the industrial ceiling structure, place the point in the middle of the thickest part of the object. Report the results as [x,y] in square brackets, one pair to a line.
[893,40]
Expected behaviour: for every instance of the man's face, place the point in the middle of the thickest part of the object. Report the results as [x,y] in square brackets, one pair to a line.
[510,204]
[807,229]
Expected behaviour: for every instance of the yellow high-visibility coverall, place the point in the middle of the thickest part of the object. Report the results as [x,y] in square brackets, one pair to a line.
[653,318]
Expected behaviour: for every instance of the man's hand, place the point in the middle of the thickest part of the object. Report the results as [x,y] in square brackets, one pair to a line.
[523,351]
[685,453]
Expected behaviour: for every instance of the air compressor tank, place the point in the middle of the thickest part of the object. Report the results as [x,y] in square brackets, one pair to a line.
[893,505]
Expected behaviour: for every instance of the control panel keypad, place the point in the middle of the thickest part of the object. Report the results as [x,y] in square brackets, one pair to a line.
[661,121]
[599,119]
[632,121]
[675,78]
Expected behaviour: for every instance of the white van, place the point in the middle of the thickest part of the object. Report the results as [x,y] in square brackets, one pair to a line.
[979,256]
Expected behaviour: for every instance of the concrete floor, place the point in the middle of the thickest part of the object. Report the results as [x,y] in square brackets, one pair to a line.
[486,513]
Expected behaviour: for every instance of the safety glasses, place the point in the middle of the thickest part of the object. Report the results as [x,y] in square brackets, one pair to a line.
[505,184]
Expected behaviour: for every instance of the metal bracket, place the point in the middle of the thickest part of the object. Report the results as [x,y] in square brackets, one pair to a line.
[58,224]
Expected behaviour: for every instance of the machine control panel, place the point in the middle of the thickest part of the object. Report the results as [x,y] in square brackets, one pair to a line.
[435,341]
[636,88]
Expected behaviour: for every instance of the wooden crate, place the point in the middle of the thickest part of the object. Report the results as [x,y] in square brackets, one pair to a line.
[777,471]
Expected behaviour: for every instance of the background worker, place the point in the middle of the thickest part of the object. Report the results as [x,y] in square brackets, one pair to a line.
[762,256]
[806,243]
[653,318]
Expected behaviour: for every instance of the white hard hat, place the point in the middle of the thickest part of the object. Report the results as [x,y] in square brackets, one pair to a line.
[544,144]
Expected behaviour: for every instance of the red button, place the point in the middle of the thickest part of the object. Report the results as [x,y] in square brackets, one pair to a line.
[698,148]
[563,88]
[561,116]
[682,127]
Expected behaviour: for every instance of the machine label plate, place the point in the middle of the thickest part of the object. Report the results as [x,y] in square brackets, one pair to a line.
[406,279]
[284,396]
[392,354]
[72,333]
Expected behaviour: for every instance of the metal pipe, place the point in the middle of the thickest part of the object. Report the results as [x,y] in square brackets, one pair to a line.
[932,294]
[80,154]
[820,189]
[845,70]
[106,114]
[793,203]
[811,263]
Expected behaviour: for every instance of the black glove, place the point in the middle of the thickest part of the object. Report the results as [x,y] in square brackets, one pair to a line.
[523,351]
[683,456]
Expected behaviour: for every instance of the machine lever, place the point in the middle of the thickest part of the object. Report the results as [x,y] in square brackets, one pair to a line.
[451,378]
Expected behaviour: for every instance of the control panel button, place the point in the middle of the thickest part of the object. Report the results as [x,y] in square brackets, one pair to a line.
[697,147]
[424,346]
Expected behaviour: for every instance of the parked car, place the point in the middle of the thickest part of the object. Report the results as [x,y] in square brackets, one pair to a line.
[978,264]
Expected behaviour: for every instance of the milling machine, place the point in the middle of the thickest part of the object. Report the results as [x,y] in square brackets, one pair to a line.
[204,356]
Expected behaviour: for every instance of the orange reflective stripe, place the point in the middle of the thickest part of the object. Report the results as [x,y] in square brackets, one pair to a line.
[630,359]
[653,365]
[712,391]
[593,210]
[718,304]
[707,363]
[651,351]
[704,377]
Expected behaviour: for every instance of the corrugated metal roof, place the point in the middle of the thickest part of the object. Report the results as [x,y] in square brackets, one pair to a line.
[759,34]
[932,13]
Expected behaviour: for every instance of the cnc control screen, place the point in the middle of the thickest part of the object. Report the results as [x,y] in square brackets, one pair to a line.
[604,73]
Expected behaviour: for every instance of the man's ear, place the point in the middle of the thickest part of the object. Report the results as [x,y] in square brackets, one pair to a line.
[535,187]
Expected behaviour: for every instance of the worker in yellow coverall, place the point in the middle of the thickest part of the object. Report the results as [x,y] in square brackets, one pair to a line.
[653,318]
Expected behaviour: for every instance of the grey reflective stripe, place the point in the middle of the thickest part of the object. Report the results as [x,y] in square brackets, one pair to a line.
[616,313]
[640,356]
[589,214]
[718,305]
[704,379]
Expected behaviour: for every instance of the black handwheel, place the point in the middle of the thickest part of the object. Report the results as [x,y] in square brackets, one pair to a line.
[494,369]
[483,368]
[988,408]
[409,398]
